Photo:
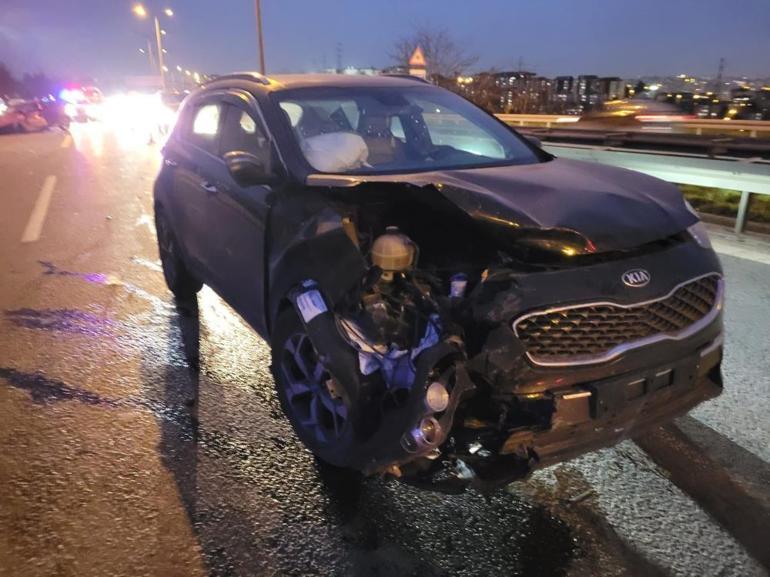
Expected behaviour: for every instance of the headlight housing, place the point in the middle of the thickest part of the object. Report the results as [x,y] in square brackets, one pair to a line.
[699,233]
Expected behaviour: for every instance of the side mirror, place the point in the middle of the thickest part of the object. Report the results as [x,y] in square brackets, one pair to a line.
[248,169]
[534,140]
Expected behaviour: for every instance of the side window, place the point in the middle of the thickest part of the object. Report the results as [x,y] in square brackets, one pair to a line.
[241,132]
[205,127]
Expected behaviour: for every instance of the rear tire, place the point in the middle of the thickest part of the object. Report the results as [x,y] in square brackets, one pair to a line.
[179,279]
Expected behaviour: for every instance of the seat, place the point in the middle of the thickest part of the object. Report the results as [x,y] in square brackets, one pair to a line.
[384,148]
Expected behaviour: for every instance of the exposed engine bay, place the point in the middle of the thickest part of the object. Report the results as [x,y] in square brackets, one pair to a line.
[438,389]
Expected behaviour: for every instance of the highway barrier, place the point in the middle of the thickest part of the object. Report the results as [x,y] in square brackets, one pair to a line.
[747,175]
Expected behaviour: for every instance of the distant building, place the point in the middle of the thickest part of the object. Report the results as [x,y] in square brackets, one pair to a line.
[563,94]
[523,92]
[564,87]
[587,91]
[611,88]
[511,86]
[762,103]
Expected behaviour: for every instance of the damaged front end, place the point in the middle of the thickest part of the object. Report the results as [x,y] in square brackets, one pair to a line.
[417,367]
[407,376]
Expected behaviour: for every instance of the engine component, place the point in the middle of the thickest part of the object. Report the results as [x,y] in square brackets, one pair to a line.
[427,434]
[437,397]
[393,252]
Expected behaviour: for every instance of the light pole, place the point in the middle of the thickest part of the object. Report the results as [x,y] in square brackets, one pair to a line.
[259,37]
[141,12]
[160,55]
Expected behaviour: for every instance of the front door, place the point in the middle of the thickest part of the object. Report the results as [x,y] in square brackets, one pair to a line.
[235,254]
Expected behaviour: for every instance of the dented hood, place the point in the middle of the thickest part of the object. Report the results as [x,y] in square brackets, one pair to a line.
[614,208]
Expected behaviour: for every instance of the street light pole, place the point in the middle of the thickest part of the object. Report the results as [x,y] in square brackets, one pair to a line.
[150,54]
[259,37]
[160,54]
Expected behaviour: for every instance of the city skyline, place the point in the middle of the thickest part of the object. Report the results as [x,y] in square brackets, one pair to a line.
[560,38]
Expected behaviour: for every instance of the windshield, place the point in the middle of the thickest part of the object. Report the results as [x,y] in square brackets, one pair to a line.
[364,130]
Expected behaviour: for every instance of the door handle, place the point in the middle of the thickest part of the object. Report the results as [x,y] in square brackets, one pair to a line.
[210,188]
[169,162]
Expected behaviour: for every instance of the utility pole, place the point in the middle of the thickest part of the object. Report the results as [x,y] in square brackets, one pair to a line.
[339,57]
[259,37]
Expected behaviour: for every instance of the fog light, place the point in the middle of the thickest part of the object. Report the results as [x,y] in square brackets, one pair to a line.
[428,432]
[437,397]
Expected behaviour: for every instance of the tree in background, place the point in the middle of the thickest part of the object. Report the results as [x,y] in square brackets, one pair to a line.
[37,85]
[482,89]
[444,56]
[8,84]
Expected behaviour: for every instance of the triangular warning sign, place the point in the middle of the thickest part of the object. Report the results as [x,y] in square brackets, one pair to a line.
[417,59]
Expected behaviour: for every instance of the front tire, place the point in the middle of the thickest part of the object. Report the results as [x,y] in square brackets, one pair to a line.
[179,280]
[306,390]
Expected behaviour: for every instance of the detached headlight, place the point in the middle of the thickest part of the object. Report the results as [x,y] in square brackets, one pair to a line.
[699,233]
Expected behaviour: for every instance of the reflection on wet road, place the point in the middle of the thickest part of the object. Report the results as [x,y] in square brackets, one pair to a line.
[143,437]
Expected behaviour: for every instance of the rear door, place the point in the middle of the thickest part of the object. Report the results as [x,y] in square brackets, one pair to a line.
[195,162]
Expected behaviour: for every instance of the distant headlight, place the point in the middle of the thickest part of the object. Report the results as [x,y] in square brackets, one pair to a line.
[698,232]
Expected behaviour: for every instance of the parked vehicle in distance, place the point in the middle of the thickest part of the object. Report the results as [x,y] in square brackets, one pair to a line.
[445,301]
[9,117]
[19,115]
[83,103]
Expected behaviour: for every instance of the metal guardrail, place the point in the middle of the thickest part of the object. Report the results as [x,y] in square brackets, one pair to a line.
[749,176]
[698,126]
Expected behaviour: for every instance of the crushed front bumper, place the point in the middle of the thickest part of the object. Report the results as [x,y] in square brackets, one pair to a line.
[584,418]
[602,413]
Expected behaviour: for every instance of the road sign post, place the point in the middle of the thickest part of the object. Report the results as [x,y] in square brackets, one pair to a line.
[417,64]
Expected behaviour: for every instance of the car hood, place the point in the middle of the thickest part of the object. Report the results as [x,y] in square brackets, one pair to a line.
[613,208]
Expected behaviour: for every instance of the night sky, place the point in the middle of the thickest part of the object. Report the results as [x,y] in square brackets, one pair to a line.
[102,38]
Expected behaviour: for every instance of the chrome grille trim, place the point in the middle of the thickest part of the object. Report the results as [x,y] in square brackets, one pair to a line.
[616,351]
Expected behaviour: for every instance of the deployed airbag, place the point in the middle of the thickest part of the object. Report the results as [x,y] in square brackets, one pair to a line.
[335,151]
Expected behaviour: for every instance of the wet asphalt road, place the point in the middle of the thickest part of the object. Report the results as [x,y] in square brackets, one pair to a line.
[141,438]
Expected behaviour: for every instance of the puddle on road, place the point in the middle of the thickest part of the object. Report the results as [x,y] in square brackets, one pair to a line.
[61,320]
[92,277]
[43,390]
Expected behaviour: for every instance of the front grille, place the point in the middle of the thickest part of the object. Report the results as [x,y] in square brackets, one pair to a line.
[598,332]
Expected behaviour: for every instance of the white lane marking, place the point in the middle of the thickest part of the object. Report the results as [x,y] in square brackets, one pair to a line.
[67,141]
[36,219]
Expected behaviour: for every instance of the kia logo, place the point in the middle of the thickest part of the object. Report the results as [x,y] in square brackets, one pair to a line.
[636,278]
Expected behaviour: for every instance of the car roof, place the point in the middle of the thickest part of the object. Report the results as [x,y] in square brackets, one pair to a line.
[278,82]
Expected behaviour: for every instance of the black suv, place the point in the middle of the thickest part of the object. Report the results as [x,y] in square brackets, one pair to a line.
[445,301]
